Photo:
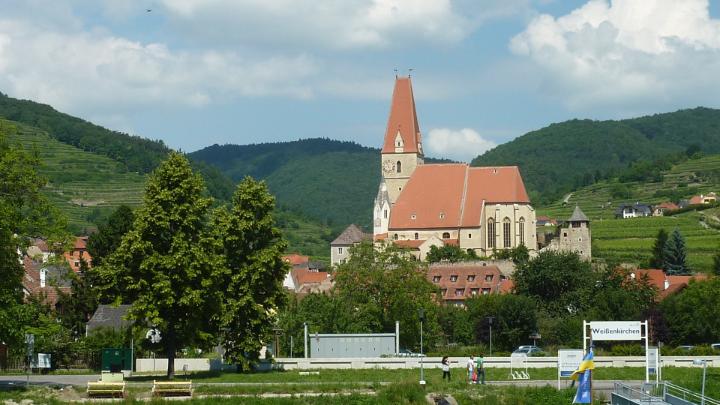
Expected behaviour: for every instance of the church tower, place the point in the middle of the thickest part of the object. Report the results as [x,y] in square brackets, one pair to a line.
[402,149]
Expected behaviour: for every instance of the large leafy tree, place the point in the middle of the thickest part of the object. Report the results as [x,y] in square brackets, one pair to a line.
[514,319]
[23,212]
[390,284]
[165,266]
[675,255]
[693,315]
[252,248]
[110,233]
[449,253]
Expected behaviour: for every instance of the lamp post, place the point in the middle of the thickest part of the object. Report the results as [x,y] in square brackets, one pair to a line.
[490,321]
[702,393]
[421,315]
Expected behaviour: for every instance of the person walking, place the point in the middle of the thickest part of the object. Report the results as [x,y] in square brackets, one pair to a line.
[471,369]
[480,368]
[446,368]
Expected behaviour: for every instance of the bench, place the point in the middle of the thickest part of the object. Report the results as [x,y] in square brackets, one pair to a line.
[102,388]
[168,388]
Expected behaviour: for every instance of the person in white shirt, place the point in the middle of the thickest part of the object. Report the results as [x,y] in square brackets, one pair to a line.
[470,368]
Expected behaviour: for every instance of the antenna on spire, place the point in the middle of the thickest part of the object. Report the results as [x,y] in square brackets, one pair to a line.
[396,72]
[410,72]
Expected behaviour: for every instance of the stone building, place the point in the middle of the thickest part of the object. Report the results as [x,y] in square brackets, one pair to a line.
[574,236]
[476,208]
[340,247]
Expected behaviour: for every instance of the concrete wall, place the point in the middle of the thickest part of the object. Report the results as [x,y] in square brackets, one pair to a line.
[459,362]
[160,365]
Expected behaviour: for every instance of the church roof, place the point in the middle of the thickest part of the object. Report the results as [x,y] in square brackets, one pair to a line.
[351,235]
[578,216]
[403,119]
[454,195]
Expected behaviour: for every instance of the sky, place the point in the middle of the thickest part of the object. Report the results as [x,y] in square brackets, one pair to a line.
[198,72]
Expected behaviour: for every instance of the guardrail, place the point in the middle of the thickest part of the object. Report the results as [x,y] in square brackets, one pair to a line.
[685,394]
[630,395]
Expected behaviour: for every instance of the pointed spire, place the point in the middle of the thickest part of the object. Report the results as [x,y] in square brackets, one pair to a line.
[578,216]
[403,119]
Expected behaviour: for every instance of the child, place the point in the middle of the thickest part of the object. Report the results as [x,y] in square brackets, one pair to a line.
[446,368]
[470,369]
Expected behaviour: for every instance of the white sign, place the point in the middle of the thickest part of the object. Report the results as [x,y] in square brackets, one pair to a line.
[652,360]
[43,361]
[621,330]
[568,361]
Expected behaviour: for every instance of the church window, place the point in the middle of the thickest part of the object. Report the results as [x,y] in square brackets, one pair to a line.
[521,227]
[506,232]
[340,250]
[395,236]
[469,236]
[398,166]
[446,235]
[385,214]
[417,236]
[491,233]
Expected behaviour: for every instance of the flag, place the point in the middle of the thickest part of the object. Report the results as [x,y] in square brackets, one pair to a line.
[583,375]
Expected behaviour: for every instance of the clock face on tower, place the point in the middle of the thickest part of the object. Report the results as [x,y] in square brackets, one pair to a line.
[388,166]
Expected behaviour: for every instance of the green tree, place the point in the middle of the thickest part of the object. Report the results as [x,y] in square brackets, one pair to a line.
[449,253]
[109,235]
[617,299]
[561,282]
[657,261]
[675,255]
[693,315]
[80,304]
[252,248]
[23,212]
[716,264]
[388,283]
[514,318]
[166,266]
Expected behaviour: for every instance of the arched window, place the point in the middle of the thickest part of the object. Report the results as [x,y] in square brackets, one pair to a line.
[417,236]
[385,214]
[398,166]
[506,232]
[521,228]
[491,233]
[446,235]
[395,236]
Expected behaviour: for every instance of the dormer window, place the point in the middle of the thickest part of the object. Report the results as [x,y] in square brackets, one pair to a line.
[471,277]
[453,278]
[436,279]
[442,215]
[446,235]
[488,277]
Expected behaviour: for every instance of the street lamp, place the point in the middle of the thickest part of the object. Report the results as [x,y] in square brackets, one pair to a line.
[490,320]
[421,315]
[704,364]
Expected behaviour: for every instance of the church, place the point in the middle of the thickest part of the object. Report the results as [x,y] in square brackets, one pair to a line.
[419,205]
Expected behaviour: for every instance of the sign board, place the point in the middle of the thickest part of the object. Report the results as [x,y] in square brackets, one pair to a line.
[620,330]
[653,362]
[43,361]
[568,361]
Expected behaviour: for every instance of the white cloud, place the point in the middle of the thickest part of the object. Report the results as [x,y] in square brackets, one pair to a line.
[81,70]
[626,53]
[464,144]
[330,24]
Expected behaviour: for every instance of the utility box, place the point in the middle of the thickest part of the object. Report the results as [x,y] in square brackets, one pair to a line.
[116,360]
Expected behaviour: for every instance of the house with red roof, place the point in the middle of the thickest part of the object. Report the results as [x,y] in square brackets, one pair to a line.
[479,208]
[78,253]
[306,276]
[665,285]
[660,209]
[460,281]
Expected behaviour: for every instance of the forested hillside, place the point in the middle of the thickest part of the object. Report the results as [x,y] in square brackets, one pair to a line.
[556,159]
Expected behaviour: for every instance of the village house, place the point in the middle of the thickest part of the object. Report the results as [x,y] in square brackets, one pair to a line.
[708,198]
[660,209]
[45,281]
[78,253]
[306,276]
[636,210]
[340,247]
[460,281]
[544,220]
[665,285]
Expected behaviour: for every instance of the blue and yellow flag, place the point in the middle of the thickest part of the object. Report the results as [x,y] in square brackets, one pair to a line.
[583,375]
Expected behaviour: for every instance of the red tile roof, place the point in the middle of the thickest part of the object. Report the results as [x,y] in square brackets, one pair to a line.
[403,118]
[470,278]
[409,244]
[667,206]
[696,199]
[80,243]
[295,259]
[657,278]
[433,196]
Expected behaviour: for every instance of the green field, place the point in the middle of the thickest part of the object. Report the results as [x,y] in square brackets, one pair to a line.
[631,240]
[83,185]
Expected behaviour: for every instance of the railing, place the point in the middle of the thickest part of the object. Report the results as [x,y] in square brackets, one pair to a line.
[636,395]
[677,391]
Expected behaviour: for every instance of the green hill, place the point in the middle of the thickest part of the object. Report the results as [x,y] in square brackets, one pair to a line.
[556,159]
[631,239]
[87,186]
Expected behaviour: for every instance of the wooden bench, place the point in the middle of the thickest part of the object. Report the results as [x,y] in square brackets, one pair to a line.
[169,388]
[102,388]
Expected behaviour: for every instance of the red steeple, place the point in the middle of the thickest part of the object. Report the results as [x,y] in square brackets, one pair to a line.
[403,119]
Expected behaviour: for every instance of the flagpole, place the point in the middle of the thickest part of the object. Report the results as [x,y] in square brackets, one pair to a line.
[591,371]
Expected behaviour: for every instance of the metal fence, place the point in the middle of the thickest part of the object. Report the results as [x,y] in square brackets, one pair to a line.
[624,394]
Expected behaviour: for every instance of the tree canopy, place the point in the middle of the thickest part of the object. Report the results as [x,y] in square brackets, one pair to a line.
[675,255]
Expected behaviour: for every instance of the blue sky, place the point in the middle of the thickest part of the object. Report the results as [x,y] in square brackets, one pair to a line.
[198,72]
